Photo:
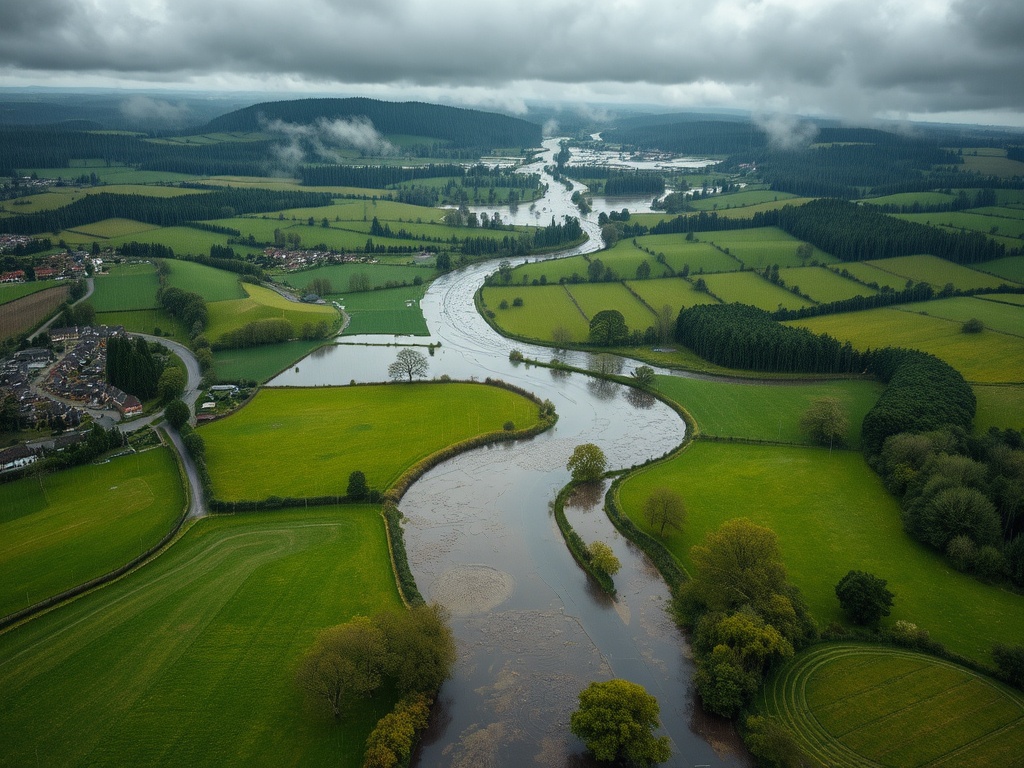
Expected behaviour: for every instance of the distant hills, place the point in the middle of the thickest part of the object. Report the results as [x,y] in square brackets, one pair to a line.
[461,127]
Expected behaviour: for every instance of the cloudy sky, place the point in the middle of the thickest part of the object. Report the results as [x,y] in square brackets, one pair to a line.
[951,60]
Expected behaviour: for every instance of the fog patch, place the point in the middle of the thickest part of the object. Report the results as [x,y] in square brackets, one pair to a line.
[786,132]
[147,109]
[323,140]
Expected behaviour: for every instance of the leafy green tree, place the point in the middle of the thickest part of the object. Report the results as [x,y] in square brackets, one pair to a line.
[974,325]
[643,270]
[610,235]
[391,741]
[644,376]
[956,511]
[357,489]
[864,597]
[443,262]
[321,286]
[1009,660]
[344,663]
[738,563]
[177,413]
[608,328]
[724,686]
[602,557]
[587,463]
[408,364]
[824,422]
[772,743]
[616,720]
[665,508]
[419,649]
[171,383]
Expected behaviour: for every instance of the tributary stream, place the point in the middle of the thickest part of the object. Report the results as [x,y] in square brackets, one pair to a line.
[532,629]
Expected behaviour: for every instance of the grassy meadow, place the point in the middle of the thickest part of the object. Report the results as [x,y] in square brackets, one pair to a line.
[596,297]
[191,660]
[935,271]
[823,285]
[854,705]
[11,291]
[544,309]
[999,406]
[1010,268]
[760,247]
[306,442]
[127,287]
[673,292]
[260,363]
[751,288]
[832,514]
[65,528]
[987,357]
[340,276]
[210,283]
[390,311]
[679,252]
[261,304]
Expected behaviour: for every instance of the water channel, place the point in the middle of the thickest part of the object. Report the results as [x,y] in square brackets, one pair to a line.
[532,629]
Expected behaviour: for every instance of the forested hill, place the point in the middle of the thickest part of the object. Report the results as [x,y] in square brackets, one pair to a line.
[463,127]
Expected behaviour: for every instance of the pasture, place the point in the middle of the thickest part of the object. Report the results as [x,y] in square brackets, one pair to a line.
[1010,268]
[672,291]
[306,442]
[108,228]
[126,287]
[936,272]
[596,297]
[191,659]
[832,514]
[853,705]
[261,304]
[822,284]
[210,283]
[64,528]
[748,211]
[768,411]
[146,321]
[623,259]
[679,252]
[986,224]
[390,311]
[340,276]
[260,363]
[183,240]
[869,274]
[741,199]
[986,357]
[909,198]
[112,174]
[999,406]
[760,247]
[545,308]
[998,316]
[552,270]
[751,288]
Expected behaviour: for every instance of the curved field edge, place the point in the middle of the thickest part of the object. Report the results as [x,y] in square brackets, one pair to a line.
[191,660]
[785,696]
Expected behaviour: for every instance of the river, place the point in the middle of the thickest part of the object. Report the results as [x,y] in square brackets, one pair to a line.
[532,629]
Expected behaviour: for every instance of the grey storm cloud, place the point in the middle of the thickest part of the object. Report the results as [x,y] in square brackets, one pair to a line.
[839,56]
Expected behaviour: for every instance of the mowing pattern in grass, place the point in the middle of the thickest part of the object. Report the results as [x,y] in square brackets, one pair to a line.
[260,363]
[822,284]
[261,304]
[832,514]
[766,411]
[212,284]
[66,528]
[544,309]
[858,705]
[305,442]
[191,660]
[985,357]
[391,311]
[751,288]
[12,291]
[937,272]
[127,287]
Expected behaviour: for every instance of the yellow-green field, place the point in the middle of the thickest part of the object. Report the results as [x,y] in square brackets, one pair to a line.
[544,309]
[761,247]
[751,288]
[822,284]
[987,357]
[672,291]
[999,406]
[679,252]
[306,442]
[262,304]
[937,272]
[596,297]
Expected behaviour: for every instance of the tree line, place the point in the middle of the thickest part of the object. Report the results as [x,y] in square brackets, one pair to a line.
[132,368]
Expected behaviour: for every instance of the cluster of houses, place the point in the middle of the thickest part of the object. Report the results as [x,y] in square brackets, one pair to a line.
[80,375]
[290,260]
[34,409]
[62,266]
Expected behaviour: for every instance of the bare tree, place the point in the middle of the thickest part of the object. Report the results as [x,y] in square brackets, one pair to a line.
[408,363]
[663,509]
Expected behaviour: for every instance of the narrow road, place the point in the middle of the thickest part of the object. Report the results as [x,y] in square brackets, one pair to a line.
[197,504]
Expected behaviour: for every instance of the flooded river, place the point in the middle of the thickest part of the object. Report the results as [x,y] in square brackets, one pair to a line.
[532,629]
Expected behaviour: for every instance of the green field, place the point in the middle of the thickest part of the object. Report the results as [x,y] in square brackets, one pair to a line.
[740,199]
[988,165]
[959,220]
[760,247]
[210,283]
[984,357]
[191,660]
[146,321]
[1011,268]
[766,411]
[552,270]
[544,309]
[747,211]
[390,311]
[71,526]
[109,228]
[339,276]
[623,259]
[699,257]
[114,174]
[306,442]
[823,285]
[999,406]
[832,514]
[43,201]
[997,315]
[909,198]
[184,240]
[935,271]
[869,274]
[751,288]
[672,291]
[859,705]
[260,363]
[261,304]
[12,291]
[127,287]
[596,297]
